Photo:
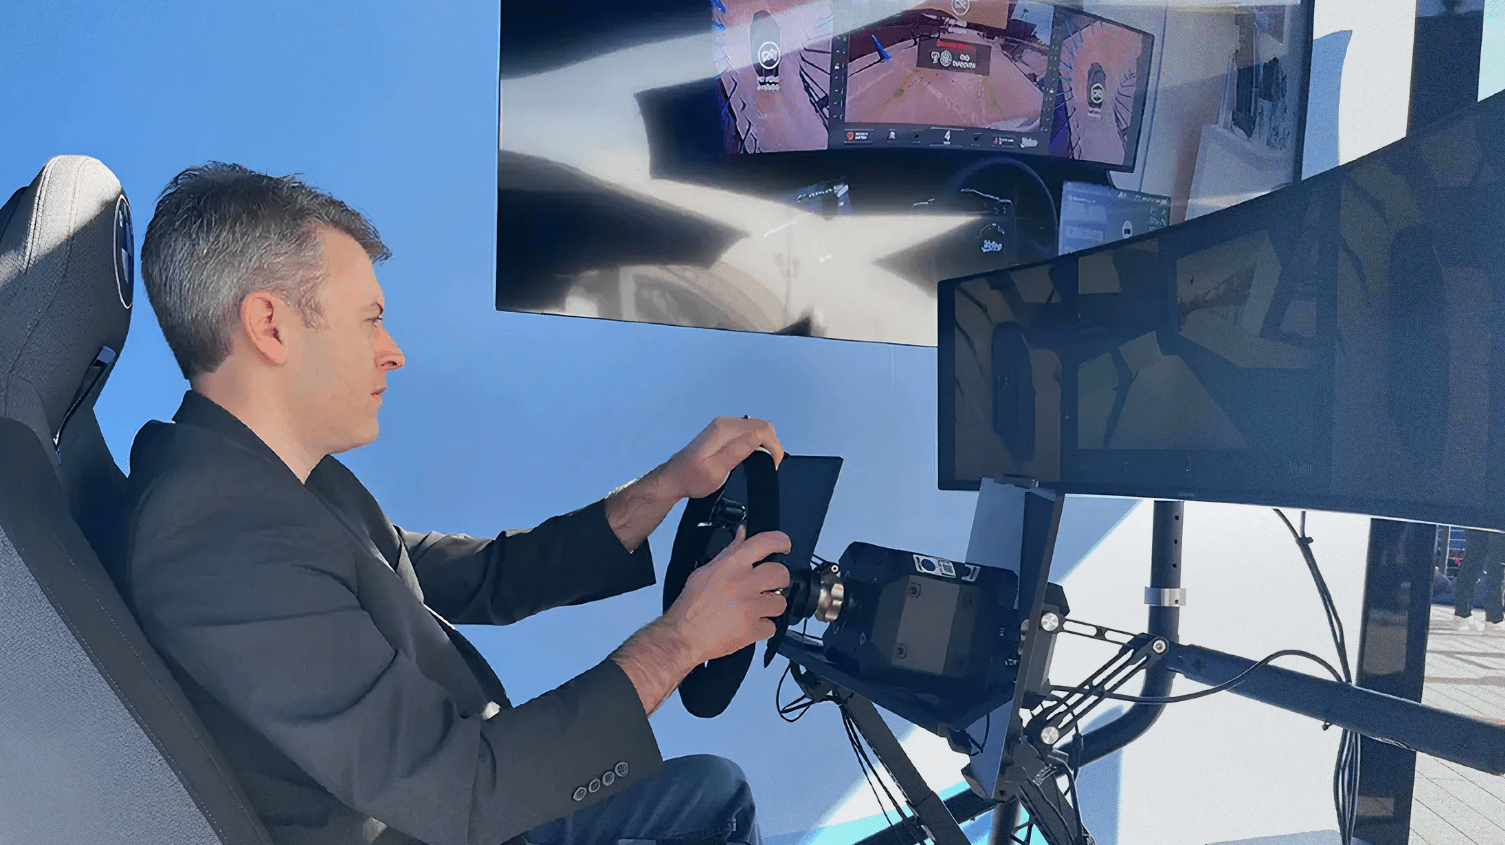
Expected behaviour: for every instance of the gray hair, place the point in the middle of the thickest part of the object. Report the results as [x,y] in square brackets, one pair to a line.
[221,232]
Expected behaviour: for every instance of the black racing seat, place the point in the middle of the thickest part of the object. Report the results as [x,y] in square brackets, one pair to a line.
[97,741]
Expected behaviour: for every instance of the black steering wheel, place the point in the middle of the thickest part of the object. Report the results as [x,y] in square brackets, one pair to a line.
[706,528]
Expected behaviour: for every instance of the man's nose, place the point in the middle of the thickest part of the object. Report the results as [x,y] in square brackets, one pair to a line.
[389,356]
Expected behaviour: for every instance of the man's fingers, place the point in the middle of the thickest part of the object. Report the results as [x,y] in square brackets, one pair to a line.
[766,629]
[770,441]
[735,546]
[767,543]
[771,604]
[740,438]
[763,436]
[771,576]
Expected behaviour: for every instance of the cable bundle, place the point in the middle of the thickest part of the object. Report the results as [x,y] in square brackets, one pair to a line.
[1346,771]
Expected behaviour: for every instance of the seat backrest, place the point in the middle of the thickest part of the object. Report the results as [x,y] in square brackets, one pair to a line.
[97,741]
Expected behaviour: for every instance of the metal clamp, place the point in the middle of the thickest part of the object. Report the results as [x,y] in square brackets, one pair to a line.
[1163,597]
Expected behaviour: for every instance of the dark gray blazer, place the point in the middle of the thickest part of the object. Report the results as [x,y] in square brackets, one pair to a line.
[314,639]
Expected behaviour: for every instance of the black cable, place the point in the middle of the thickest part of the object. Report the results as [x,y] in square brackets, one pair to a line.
[1076,805]
[1335,624]
[987,728]
[1028,827]
[801,704]
[869,771]
[1346,768]
[1228,684]
[855,736]
[1072,773]
[864,761]
[862,764]
[1057,811]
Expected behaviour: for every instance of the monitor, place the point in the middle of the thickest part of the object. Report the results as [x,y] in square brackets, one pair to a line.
[1013,76]
[687,163]
[1332,345]
[1102,75]
[1093,215]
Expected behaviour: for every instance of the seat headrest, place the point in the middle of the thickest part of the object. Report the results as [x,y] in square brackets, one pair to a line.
[67,272]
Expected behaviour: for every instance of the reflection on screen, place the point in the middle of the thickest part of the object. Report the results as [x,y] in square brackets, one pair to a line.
[1332,345]
[999,75]
[1101,78]
[899,142]
[1093,215]
[774,62]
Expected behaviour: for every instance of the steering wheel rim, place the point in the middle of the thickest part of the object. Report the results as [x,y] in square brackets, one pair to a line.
[710,687]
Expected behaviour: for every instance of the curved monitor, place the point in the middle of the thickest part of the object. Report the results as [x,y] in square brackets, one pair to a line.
[1334,345]
[1012,76]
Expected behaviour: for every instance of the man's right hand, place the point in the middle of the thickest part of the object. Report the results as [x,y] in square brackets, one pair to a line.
[728,603]
[723,608]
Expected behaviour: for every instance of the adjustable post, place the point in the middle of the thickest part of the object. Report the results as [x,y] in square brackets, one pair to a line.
[1042,516]
[1165,598]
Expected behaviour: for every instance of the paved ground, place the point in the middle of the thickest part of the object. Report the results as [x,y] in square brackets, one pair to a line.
[1456,805]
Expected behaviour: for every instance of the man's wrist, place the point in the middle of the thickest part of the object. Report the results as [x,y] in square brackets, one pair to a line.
[660,485]
[655,660]
[636,508]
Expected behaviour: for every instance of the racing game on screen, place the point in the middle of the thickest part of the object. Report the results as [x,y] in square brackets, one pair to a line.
[997,75]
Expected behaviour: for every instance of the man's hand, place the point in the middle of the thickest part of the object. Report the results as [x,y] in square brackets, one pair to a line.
[724,608]
[699,469]
[726,605]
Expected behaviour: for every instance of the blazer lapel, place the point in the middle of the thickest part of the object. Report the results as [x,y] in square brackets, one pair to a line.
[477,662]
[480,670]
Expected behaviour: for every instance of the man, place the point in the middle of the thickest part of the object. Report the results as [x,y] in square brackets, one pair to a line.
[314,638]
[1483,558]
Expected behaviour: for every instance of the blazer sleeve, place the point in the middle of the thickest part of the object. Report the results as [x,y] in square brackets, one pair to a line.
[262,611]
[570,559]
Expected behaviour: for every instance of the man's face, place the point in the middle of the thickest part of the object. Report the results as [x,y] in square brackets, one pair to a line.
[341,366]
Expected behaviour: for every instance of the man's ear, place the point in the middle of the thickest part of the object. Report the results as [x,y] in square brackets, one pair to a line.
[264,322]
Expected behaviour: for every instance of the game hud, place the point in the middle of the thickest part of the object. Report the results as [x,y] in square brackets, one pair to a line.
[1101,85]
[952,63]
[773,60]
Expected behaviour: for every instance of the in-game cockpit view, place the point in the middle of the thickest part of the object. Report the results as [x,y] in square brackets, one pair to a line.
[978,64]
[773,61]
[1100,84]
[1021,76]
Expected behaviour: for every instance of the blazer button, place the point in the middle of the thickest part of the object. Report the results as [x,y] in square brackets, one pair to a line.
[608,777]
[595,785]
[621,770]
[580,794]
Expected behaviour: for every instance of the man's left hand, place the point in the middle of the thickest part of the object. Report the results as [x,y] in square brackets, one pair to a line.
[699,469]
